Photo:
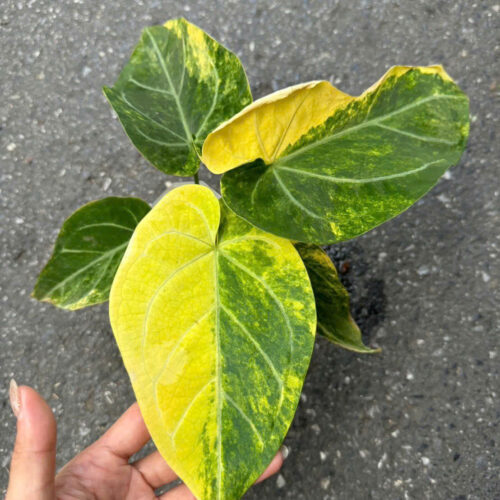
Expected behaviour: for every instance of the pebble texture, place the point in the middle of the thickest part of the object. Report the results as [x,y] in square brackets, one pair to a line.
[421,420]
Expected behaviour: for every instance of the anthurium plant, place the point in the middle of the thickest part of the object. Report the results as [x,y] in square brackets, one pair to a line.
[215,300]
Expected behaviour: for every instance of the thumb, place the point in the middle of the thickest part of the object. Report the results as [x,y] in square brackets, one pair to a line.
[32,469]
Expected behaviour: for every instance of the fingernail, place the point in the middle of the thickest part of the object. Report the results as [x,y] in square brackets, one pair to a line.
[285,451]
[15,402]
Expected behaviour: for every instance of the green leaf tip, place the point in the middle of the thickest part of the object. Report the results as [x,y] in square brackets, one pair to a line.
[334,320]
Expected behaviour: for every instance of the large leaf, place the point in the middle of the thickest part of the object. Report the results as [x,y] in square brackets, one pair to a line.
[323,180]
[332,300]
[178,86]
[215,321]
[87,252]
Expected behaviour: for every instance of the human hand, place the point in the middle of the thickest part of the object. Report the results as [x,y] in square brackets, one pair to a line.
[100,472]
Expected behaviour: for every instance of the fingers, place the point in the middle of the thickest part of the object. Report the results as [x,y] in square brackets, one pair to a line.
[273,467]
[32,468]
[127,435]
[178,493]
[155,470]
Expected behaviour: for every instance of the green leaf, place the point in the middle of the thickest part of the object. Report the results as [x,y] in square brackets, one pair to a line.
[332,300]
[177,87]
[87,252]
[370,159]
[215,321]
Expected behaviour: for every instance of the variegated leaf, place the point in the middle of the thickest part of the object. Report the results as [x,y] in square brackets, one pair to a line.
[178,86]
[215,321]
[321,166]
[88,250]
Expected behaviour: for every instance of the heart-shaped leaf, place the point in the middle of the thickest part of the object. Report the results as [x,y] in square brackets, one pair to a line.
[87,252]
[177,87]
[332,300]
[215,321]
[325,167]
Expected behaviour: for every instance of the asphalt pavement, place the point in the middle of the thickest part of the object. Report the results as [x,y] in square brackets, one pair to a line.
[418,421]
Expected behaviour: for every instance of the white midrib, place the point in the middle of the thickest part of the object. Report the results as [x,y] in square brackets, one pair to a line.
[172,88]
[218,387]
[220,394]
[176,95]
[215,97]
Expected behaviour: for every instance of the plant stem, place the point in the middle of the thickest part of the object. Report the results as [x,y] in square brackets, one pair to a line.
[196,178]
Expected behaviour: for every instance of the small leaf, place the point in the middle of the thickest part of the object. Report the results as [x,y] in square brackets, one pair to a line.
[332,300]
[325,167]
[88,249]
[177,87]
[215,321]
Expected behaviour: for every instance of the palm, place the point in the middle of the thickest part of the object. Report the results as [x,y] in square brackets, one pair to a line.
[103,471]
[100,474]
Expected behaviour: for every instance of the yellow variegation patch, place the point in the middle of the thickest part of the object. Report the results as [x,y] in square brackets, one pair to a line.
[215,321]
[265,128]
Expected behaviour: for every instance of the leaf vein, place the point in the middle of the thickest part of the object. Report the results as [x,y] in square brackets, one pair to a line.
[189,406]
[169,79]
[230,400]
[218,376]
[133,215]
[365,124]
[250,237]
[359,181]
[278,145]
[270,292]
[214,100]
[153,298]
[259,139]
[293,199]
[84,268]
[147,87]
[111,224]
[259,348]
[161,143]
[178,343]
[424,138]
[156,122]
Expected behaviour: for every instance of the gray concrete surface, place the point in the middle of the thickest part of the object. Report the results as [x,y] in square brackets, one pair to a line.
[419,421]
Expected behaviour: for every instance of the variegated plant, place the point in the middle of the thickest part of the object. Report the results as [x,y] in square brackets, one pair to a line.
[215,303]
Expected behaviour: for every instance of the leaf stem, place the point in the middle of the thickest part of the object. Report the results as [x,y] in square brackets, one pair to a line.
[196,178]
